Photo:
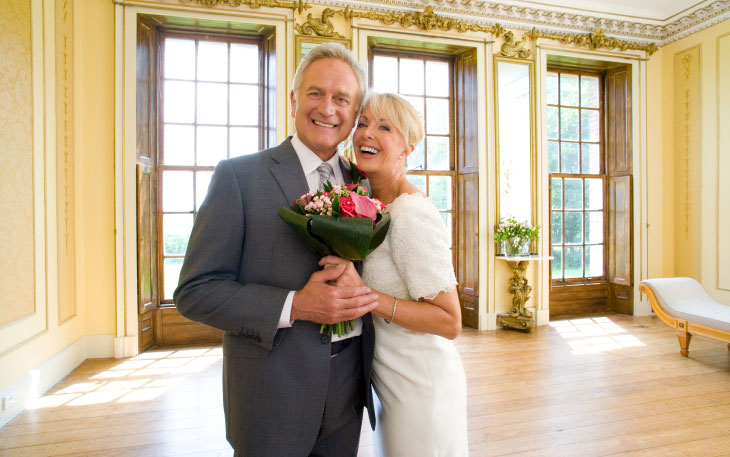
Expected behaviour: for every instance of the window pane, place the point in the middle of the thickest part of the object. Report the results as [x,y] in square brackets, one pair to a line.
[553,122]
[568,89]
[385,74]
[589,125]
[202,181]
[446,217]
[570,157]
[411,76]
[416,159]
[417,103]
[557,194]
[212,103]
[594,194]
[552,88]
[243,140]
[177,191]
[557,262]
[179,101]
[573,227]
[179,142]
[591,158]
[439,191]
[244,105]
[437,116]
[437,79]
[179,59]
[172,275]
[594,227]
[574,261]
[438,152]
[176,232]
[589,91]
[569,124]
[418,181]
[212,61]
[557,228]
[244,63]
[573,193]
[594,261]
[212,145]
[553,157]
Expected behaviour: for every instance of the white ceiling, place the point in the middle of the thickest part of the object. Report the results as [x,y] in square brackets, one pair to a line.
[639,10]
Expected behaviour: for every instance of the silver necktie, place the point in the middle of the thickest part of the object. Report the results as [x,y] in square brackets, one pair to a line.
[325,173]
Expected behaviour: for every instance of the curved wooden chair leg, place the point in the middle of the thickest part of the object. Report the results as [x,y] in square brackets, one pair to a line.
[684,339]
[728,346]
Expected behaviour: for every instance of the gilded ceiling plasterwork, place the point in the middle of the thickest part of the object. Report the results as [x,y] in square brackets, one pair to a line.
[546,20]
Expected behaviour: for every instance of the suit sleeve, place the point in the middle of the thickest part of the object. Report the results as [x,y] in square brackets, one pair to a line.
[209,291]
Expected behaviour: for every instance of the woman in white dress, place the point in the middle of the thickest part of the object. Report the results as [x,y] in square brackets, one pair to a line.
[417,372]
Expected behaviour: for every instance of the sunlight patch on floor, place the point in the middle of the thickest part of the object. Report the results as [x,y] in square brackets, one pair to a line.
[130,379]
[594,334]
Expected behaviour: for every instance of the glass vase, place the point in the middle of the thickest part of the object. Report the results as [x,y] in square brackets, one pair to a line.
[516,247]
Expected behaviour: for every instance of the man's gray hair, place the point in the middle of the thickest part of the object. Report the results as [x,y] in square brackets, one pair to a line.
[333,51]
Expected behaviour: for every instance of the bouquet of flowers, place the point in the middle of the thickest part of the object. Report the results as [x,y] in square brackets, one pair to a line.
[339,220]
[515,236]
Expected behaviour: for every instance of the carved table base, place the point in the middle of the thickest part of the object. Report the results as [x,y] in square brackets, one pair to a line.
[519,317]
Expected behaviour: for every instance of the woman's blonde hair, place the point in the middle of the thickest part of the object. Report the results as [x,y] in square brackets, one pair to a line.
[399,112]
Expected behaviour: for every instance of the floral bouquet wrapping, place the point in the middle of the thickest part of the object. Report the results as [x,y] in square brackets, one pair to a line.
[341,221]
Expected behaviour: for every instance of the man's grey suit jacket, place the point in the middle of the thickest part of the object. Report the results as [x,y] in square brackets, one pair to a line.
[241,262]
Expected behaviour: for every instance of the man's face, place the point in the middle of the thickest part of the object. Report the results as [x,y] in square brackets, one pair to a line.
[324,109]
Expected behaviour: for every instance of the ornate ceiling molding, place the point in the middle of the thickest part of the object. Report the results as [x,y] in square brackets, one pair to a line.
[546,20]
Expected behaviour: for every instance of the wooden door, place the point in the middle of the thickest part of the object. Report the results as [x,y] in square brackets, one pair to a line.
[467,257]
[619,169]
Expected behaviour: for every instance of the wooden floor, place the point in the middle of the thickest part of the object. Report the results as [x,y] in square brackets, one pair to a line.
[610,385]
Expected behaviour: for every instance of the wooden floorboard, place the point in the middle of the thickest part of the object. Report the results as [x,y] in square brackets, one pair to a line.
[591,386]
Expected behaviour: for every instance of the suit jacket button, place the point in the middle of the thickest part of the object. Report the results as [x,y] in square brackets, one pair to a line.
[325,339]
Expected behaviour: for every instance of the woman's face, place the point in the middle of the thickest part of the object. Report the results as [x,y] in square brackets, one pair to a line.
[379,147]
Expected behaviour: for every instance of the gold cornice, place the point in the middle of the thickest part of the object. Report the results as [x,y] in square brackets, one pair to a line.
[319,27]
[595,40]
[297,5]
[426,20]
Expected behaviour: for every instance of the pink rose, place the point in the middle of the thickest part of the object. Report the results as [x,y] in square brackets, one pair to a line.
[364,206]
[347,207]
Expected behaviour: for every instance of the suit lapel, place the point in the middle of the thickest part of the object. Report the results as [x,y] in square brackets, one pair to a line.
[287,171]
[345,167]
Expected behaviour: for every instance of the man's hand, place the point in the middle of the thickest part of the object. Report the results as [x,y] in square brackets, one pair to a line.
[323,303]
[348,277]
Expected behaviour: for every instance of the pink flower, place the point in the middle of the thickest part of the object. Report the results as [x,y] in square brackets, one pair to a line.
[347,207]
[364,206]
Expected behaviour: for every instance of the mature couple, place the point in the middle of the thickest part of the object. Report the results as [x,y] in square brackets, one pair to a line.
[289,390]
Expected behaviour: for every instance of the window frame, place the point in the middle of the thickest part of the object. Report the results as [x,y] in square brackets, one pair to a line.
[174,33]
[452,172]
[583,280]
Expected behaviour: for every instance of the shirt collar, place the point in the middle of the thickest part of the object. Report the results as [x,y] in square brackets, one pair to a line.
[310,161]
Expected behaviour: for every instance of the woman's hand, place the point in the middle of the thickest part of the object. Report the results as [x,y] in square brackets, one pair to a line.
[349,276]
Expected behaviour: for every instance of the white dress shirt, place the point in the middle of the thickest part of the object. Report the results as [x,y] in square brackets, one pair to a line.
[310,161]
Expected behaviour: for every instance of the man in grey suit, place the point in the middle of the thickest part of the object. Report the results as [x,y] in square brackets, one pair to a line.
[287,389]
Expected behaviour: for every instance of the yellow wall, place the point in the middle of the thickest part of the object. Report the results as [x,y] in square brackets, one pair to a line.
[697,256]
[95,149]
[40,348]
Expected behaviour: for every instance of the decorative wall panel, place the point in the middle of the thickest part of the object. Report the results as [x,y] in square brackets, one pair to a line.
[723,159]
[17,281]
[65,159]
[687,161]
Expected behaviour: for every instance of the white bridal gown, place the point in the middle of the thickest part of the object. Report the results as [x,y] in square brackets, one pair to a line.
[418,377]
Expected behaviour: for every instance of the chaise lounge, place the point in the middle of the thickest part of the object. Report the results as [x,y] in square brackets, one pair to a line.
[684,304]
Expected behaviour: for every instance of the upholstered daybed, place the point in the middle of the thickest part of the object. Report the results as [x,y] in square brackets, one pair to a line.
[684,304]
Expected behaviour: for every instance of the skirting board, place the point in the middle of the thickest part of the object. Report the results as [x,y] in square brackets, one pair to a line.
[38,380]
